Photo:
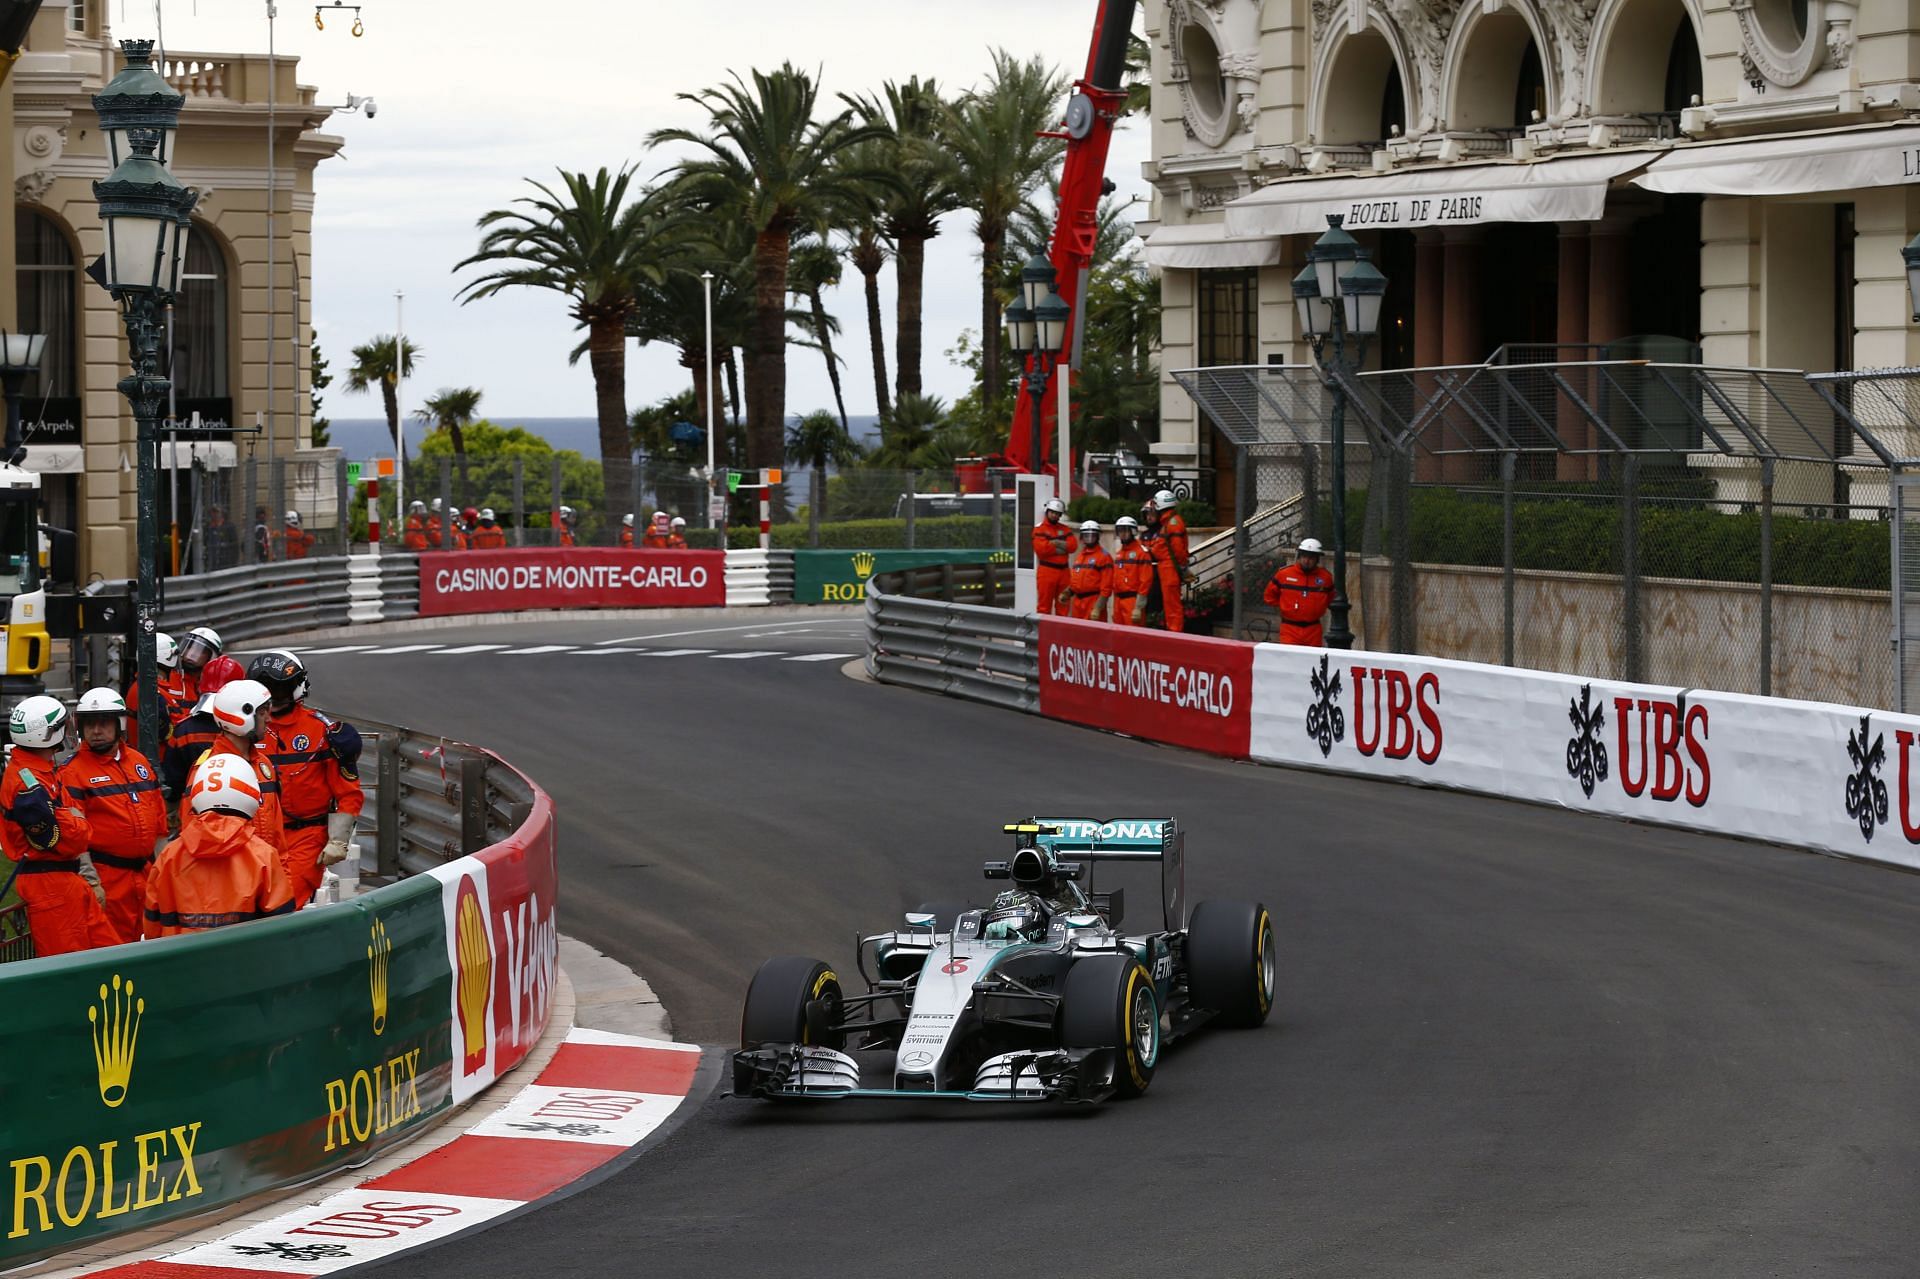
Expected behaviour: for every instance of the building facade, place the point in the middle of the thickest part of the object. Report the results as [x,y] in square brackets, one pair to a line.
[1727,182]
[242,327]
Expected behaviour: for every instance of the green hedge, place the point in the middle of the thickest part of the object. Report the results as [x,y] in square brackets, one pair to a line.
[932,532]
[1581,534]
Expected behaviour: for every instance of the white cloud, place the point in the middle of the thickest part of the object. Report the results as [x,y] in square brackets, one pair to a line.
[474,97]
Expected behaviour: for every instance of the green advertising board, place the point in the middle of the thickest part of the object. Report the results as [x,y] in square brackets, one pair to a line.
[840,576]
[153,1081]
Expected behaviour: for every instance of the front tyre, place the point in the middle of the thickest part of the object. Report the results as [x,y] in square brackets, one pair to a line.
[1230,961]
[1108,1002]
[792,1000]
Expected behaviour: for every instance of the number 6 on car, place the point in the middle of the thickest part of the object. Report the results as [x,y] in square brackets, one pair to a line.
[1037,997]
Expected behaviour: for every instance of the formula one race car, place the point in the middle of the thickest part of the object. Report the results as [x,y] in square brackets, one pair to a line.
[1038,997]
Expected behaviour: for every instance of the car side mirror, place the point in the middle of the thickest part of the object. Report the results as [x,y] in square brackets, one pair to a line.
[920,919]
[998,870]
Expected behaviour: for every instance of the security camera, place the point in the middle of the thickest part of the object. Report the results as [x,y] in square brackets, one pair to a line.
[372,108]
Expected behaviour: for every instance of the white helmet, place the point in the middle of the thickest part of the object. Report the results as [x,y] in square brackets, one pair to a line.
[165,651]
[437,506]
[678,522]
[201,646]
[293,518]
[1164,500]
[486,512]
[100,701]
[235,708]
[1125,521]
[1055,505]
[1311,546]
[416,506]
[627,519]
[566,512]
[38,722]
[224,782]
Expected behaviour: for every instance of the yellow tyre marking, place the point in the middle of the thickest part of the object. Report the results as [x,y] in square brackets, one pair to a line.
[1260,935]
[1133,1054]
[820,984]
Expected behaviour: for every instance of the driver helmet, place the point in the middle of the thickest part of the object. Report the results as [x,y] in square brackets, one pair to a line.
[1016,916]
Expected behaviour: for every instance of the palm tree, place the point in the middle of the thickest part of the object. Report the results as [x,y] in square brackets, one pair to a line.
[868,253]
[906,432]
[588,243]
[997,163]
[373,365]
[768,162]
[815,267]
[912,115]
[449,410]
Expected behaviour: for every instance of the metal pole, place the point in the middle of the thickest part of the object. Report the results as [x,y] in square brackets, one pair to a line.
[273,257]
[993,477]
[519,501]
[1063,465]
[1507,466]
[706,287]
[145,391]
[1766,576]
[446,505]
[1243,510]
[245,530]
[400,406]
[1630,569]
[816,492]
[1339,634]
[344,497]
[1400,546]
[173,450]
[553,511]
[911,504]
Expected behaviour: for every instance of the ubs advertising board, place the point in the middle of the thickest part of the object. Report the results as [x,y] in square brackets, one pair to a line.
[1182,689]
[511,581]
[840,577]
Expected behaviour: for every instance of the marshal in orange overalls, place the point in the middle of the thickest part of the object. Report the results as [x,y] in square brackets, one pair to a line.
[1302,596]
[313,783]
[270,822]
[1132,578]
[41,831]
[1052,549]
[218,872]
[1169,548]
[126,817]
[1090,581]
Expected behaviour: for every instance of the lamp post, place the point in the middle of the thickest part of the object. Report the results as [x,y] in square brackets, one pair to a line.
[1037,327]
[1338,296]
[706,293]
[146,213]
[19,360]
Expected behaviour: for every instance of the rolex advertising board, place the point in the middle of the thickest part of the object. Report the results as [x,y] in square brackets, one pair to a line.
[840,577]
[158,1080]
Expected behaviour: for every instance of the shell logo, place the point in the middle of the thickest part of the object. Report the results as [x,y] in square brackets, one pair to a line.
[473,981]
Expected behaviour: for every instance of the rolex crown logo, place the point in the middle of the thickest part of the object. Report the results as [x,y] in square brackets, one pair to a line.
[379,951]
[116,1034]
[863,564]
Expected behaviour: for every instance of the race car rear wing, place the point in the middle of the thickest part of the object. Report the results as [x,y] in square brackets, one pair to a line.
[1084,840]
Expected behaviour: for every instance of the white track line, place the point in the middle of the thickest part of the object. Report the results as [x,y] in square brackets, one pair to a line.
[711,630]
[470,648]
[671,652]
[538,648]
[741,657]
[410,648]
[344,648]
[820,657]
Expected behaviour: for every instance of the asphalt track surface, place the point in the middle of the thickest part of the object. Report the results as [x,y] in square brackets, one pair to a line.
[1508,1040]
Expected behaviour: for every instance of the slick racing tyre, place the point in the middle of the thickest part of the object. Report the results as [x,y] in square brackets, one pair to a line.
[792,1000]
[1230,961]
[1108,1002]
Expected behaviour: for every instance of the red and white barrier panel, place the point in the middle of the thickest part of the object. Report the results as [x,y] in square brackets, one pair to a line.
[601,1095]
[1829,778]
[454,582]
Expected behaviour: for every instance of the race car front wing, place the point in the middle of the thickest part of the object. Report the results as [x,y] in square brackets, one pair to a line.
[800,1072]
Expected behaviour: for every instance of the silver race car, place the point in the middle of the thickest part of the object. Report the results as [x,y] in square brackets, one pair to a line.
[1037,997]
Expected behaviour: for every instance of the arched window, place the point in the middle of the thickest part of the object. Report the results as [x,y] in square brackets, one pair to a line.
[1362,98]
[47,282]
[200,323]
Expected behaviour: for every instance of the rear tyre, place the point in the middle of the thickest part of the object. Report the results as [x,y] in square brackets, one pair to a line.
[1231,966]
[1108,1002]
[792,1000]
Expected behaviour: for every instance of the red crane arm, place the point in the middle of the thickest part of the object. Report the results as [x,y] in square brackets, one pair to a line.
[1098,102]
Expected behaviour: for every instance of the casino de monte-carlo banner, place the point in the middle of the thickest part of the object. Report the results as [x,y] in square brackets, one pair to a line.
[524,579]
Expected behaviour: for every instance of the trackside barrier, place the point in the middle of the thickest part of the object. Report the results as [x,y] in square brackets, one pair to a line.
[841,576]
[1831,779]
[759,577]
[167,1078]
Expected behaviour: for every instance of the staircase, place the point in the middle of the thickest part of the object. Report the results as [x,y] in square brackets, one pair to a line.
[1276,528]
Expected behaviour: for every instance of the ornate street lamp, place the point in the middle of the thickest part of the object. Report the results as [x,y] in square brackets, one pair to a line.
[19,360]
[1037,327]
[1338,296]
[146,213]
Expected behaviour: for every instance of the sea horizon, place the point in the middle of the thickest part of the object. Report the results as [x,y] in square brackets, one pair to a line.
[361,439]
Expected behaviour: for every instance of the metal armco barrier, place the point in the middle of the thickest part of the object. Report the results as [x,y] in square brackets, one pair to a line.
[759,577]
[1811,775]
[168,1078]
[981,654]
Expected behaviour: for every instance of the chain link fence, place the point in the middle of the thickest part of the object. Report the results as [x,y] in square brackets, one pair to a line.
[1630,519]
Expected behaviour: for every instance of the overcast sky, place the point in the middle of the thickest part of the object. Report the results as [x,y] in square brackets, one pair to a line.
[476,95]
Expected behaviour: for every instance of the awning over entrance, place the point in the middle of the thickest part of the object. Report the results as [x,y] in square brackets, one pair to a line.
[1802,164]
[1567,189]
[56,459]
[1205,246]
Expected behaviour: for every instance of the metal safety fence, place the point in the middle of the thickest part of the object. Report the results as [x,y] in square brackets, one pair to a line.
[1685,524]
[937,645]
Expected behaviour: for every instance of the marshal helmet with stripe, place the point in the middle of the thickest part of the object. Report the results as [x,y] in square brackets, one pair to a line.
[236,708]
[224,783]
